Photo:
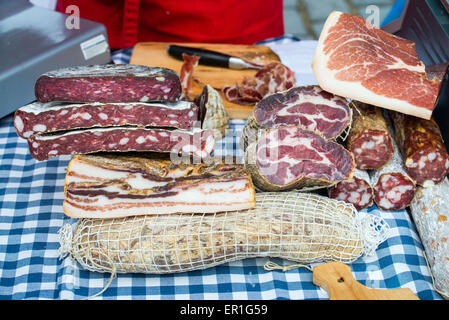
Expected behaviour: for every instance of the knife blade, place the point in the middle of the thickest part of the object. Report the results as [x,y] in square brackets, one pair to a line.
[212,58]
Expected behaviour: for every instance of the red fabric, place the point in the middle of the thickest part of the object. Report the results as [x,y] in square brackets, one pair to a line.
[213,21]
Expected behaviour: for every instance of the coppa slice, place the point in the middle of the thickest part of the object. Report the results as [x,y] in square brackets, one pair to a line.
[109,83]
[354,59]
[369,139]
[199,143]
[287,158]
[307,107]
[110,186]
[38,117]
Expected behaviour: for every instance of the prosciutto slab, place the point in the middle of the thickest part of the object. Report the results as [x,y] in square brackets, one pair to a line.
[111,186]
[287,158]
[356,60]
[38,117]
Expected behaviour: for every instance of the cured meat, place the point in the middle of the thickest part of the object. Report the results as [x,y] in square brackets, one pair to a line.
[295,226]
[39,117]
[110,186]
[393,188]
[421,144]
[369,139]
[354,59]
[109,83]
[214,115]
[357,190]
[430,212]
[287,158]
[272,78]
[199,143]
[307,107]
[186,74]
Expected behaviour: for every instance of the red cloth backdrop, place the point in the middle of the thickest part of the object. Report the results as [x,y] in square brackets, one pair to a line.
[214,21]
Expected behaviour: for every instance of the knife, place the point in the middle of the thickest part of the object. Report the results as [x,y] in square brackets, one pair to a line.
[212,58]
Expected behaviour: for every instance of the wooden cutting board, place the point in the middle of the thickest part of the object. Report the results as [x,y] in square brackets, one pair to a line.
[154,54]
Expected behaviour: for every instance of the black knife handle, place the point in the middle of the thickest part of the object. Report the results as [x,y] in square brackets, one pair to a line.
[207,57]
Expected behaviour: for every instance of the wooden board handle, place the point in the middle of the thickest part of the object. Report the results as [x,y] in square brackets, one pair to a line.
[337,279]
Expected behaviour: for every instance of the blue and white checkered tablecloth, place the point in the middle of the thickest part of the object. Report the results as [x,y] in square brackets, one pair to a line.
[31,196]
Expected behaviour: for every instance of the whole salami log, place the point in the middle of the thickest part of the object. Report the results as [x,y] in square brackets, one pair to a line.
[295,226]
[357,190]
[111,186]
[369,139]
[199,143]
[39,117]
[307,107]
[287,158]
[393,188]
[430,212]
[421,144]
[109,83]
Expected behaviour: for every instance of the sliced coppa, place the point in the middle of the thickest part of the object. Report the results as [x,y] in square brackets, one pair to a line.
[369,139]
[109,83]
[39,117]
[357,190]
[287,158]
[198,143]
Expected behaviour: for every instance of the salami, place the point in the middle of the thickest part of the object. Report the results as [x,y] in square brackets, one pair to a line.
[369,139]
[308,107]
[39,117]
[287,158]
[430,212]
[425,156]
[213,113]
[109,83]
[357,190]
[354,59]
[272,78]
[111,186]
[199,143]
[393,188]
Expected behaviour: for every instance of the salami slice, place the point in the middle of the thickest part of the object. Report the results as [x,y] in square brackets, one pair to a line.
[308,107]
[39,117]
[369,139]
[199,143]
[109,83]
[357,190]
[425,156]
[430,212]
[393,188]
[287,158]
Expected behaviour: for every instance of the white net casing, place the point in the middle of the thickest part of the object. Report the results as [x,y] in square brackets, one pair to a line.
[299,227]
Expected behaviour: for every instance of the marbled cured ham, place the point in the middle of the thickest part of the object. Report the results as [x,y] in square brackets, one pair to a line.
[110,186]
[109,83]
[287,158]
[307,107]
[356,60]
[39,117]
[197,142]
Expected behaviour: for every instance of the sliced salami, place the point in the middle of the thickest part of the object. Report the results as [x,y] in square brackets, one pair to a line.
[357,190]
[199,143]
[393,188]
[425,156]
[39,117]
[272,78]
[109,83]
[369,139]
[287,158]
[308,107]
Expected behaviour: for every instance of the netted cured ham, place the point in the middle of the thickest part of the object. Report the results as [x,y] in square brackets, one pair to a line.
[287,158]
[109,186]
[356,60]
[307,107]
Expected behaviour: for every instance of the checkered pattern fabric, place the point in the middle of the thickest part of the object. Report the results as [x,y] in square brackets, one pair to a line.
[31,196]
